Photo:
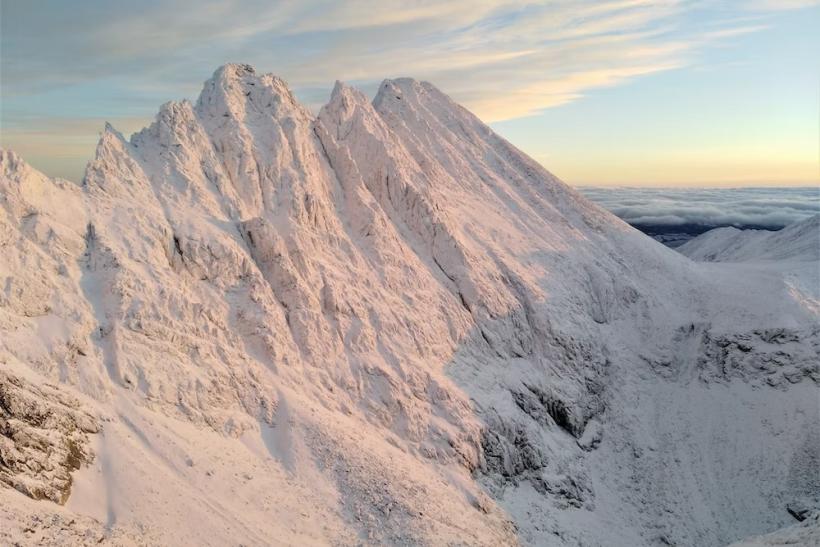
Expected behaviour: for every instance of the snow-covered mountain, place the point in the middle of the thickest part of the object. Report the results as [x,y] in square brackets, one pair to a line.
[379,325]
[799,241]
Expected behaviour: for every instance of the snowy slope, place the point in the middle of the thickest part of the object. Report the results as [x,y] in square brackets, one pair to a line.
[806,532]
[385,324]
[799,241]
[792,253]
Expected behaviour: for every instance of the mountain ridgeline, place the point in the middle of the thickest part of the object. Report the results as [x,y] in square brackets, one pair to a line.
[381,324]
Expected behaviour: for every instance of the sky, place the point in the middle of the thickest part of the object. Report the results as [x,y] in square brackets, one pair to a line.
[610,92]
[771,208]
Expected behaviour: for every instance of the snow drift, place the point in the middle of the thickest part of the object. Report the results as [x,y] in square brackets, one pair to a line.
[384,324]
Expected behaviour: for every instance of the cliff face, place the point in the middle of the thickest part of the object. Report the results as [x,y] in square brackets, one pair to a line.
[385,324]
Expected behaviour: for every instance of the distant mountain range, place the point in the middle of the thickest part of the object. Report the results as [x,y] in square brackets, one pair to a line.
[678,234]
[796,242]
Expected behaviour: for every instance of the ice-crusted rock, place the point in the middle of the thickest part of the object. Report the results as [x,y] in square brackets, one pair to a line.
[775,356]
[384,313]
[43,438]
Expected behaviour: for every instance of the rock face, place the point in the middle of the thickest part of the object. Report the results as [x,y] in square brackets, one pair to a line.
[385,324]
[43,439]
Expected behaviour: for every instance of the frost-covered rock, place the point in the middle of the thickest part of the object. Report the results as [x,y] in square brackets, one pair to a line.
[43,438]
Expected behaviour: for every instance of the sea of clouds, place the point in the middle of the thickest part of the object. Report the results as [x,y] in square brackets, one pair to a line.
[771,208]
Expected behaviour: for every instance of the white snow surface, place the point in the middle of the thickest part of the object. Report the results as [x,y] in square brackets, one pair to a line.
[386,325]
[799,241]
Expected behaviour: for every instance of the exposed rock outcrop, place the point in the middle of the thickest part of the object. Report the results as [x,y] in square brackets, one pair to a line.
[43,438]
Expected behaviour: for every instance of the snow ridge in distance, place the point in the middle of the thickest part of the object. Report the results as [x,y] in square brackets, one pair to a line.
[799,241]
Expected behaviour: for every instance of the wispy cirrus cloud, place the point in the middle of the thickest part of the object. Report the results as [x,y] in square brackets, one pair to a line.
[777,5]
[503,59]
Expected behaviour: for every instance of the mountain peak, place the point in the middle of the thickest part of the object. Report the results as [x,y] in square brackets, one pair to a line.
[235,70]
[235,89]
[109,134]
[340,88]
[11,163]
[392,90]
[345,96]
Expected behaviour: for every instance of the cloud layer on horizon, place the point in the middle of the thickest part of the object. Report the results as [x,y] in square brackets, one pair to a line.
[767,207]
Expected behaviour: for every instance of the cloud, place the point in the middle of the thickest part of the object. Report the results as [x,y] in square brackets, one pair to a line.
[778,5]
[501,59]
[768,207]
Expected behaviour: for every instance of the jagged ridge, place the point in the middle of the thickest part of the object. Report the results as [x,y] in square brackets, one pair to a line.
[394,303]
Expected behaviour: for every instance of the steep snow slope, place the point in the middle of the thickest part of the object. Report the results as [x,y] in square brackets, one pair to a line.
[385,324]
[799,241]
[792,254]
[806,532]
